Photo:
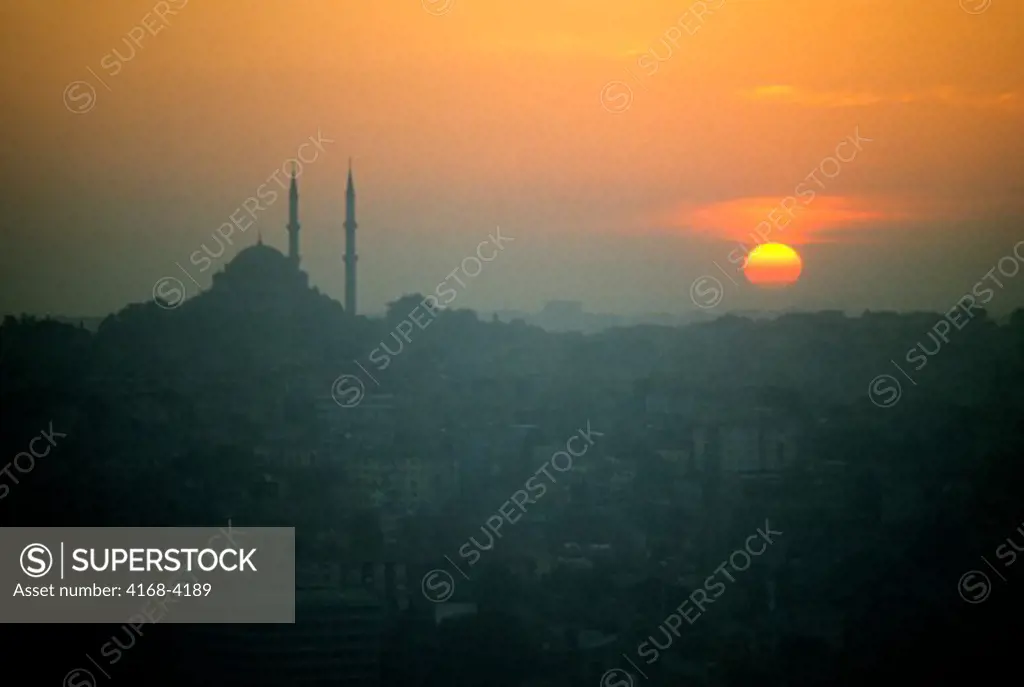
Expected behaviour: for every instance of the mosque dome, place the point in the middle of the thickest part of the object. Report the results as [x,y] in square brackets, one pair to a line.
[259,259]
[260,266]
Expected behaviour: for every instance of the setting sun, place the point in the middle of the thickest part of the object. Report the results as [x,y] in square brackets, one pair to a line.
[773,264]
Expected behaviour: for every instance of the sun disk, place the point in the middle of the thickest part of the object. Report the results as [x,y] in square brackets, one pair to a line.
[773,264]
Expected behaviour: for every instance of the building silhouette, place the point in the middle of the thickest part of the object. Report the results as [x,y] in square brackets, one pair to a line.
[293,220]
[350,244]
[263,267]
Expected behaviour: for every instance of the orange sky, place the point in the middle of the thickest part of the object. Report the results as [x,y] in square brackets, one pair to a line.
[491,114]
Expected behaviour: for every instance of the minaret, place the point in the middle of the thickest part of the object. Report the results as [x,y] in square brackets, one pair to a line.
[350,244]
[293,220]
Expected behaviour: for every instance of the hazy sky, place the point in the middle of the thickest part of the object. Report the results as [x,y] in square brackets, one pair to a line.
[625,145]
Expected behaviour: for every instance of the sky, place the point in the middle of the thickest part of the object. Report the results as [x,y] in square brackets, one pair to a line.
[630,149]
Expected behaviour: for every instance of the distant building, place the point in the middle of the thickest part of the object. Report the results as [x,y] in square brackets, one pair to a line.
[350,244]
[732,433]
[336,639]
[567,309]
[340,621]
[266,273]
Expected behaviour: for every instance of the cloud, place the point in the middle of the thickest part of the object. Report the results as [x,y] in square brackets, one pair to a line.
[737,219]
[950,97]
[831,219]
